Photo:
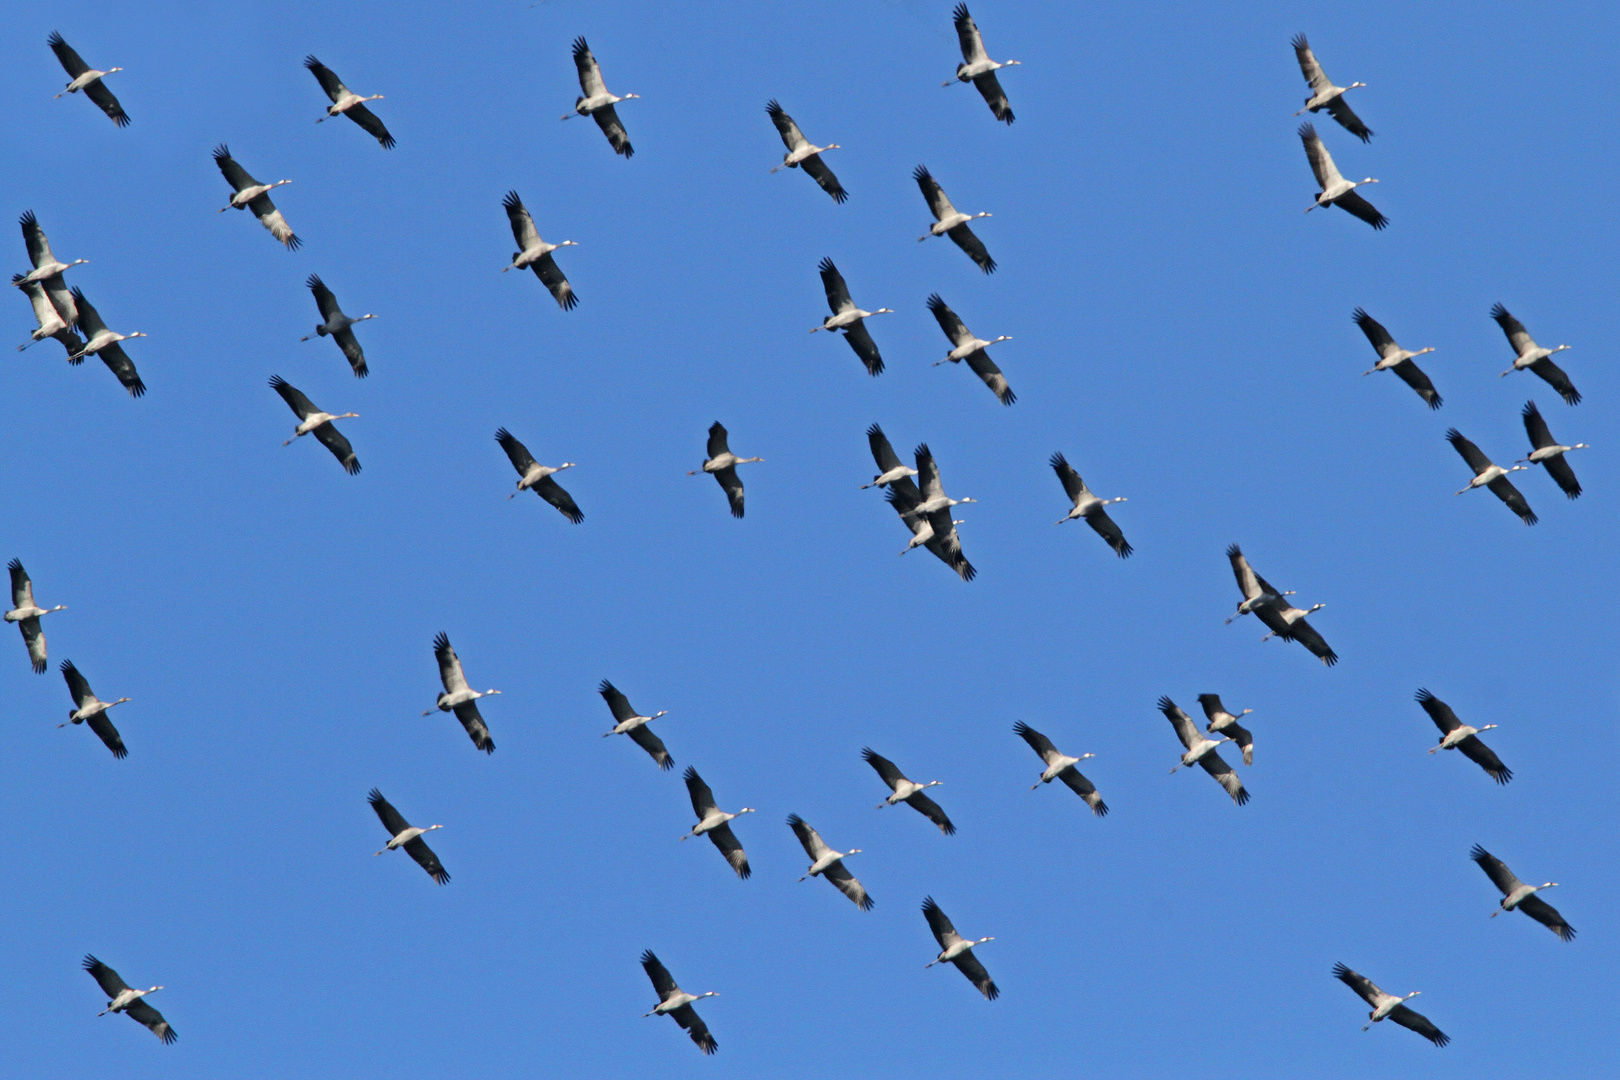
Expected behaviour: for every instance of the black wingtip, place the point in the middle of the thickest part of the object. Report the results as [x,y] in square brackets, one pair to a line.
[921,173]
[960,13]
[1479,854]
[168,1036]
[375,796]
[1307,130]
[1233,551]
[313,282]
[1498,312]
[935,303]
[441,642]
[866,903]
[690,774]
[222,152]
[773,108]
[1423,696]
[1453,436]
[581,47]
[667,764]
[1299,42]
[90,962]
[826,265]
[137,389]
[512,201]
[55,39]
[794,821]
[1165,704]
[311,63]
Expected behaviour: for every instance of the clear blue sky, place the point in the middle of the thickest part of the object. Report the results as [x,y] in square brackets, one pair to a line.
[1182,333]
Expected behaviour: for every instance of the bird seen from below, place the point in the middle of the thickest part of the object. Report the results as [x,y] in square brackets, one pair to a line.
[1336,190]
[104,344]
[1283,620]
[51,322]
[849,318]
[1389,1007]
[1201,751]
[715,823]
[86,78]
[337,326]
[626,721]
[26,614]
[1547,452]
[677,1003]
[458,697]
[1527,354]
[538,478]
[1517,896]
[248,194]
[958,950]
[1489,474]
[535,253]
[722,465]
[1324,95]
[346,102]
[935,531]
[977,67]
[123,998]
[1060,766]
[908,791]
[1391,357]
[949,221]
[91,710]
[595,101]
[1222,722]
[46,264]
[402,834]
[802,154]
[1088,506]
[888,462]
[829,864]
[311,419]
[1456,735]
[966,346]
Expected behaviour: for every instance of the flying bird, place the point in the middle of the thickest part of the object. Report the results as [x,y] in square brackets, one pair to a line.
[977,67]
[1491,475]
[848,318]
[1336,190]
[948,220]
[337,326]
[908,791]
[829,864]
[675,1002]
[123,998]
[1391,357]
[537,477]
[26,614]
[1389,1007]
[626,721]
[956,949]
[1517,896]
[892,468]
[91,710]
[86,78]
[1548,453]
[972,349]
[311,419]
[402,834]
[51,322]
[46,264]
[458,697]
[346,102]
[715,823]
[536,253]
[251,195]
[1324,95]
[1201,751]
[935,530]
[1226,723]
[722,465]
[1530,355]
[802,154]
[104,343]
[1060,766]
[595,101]
[1089,507]
[1456,735]
[1283,620]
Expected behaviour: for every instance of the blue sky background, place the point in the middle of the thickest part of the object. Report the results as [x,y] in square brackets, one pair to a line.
[1182,333]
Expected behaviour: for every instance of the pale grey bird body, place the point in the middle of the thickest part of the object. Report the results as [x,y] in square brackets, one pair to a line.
[1088,506]
[346,102]
[1336,190]
[722,464]
[402,834]
[1549,453]
[949,221]
[677,1003]
[849,318]
[1518,896]
[1389,1007]
[248,194]
[1202,752]
[1527,354]
[803,154]
[314,420]
[1325,95]
[595,101]
[825,862]
[337,326]
[105,344]
[44,261]
[626,721]
[535,253]
[977,67]
[965,345]
[26,614]
[86,78]
[715,823]
[1223,722]
[1391,357]
[458,697]
[123,998]
[1456,735]
[538,478]
[958,950]
[1488,474]
[1061,766]
[52,324]
[892,468]
[908,791]
[91,710]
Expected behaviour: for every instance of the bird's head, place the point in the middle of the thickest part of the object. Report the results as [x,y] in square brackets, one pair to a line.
[109,71]
[627,97]
[1353,85]
[1368,180]
[746,810]
[1083,757]
[565,465]
[1487,727]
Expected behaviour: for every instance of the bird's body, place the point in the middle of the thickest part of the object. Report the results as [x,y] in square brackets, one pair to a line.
[337,326]
[248,194]
[86,78]
[458,697]
[1456,735]
[722,464]
[1391,357]
[828,863]
[977,67]
[1527,354]
[123,998]
[402,834]
[677,1003]
[1202,752]
[935,530]
[849,318]
[908,791]
[1088,507]
[888,462]
[535,253]
[103,343]
[1549,453]
[1060,766]
[1389,1007]
[803,154]
[1222,722]
[595,101]
[965,345]
[948,220]
[538,478]
[26,614]
[626,721]
[346,102]
[1488,474]
[52,324]
[1324,95]
[715,823]
[91,710]
[1266,603]
[45,262]
[1336,190]
[1518,896]
[312,419]
[958,950]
